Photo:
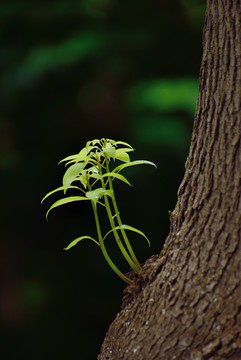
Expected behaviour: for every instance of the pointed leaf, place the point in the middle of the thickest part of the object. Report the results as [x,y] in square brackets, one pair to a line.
[94,142]
[117,176]
[95,176]
[109,142]
[66,201]
[72,172]
[110,151]
[83,180]
[87,158]
[93,172]
[121,154]
[93,169]
[74,242]
[81,156]
[75,159]
[127,227]
[71,157]
[123,143]
[125,149]
[88,147]
[59,189]
[96,194]
[85,151]
[133,163]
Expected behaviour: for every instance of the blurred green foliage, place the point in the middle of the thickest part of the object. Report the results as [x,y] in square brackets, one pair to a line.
[73,70]
[167,95]
[163,100]
[169,131]
[68,52]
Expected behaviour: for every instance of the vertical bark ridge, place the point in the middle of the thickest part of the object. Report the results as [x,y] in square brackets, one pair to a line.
[192,308]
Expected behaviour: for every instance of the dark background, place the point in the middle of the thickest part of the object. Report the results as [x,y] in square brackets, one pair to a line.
[73,71]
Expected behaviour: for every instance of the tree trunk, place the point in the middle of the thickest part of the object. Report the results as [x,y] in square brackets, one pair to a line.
[186,303]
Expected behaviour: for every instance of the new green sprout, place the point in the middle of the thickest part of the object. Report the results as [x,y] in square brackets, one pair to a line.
[90,171]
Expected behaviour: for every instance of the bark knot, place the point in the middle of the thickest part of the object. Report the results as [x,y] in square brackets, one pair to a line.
[140,280]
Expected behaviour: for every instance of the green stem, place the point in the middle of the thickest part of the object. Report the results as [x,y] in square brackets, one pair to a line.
[102,246]
[128,245]
[118,240]
[115,232]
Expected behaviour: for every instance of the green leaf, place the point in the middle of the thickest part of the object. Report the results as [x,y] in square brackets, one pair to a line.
[123,143]
[117,176]
[71,173]
[127,227]
[95,176]
[96,194]
[66,201]
[110,151]
[76,48]
[93,169]
[85,151]
[74,242]
[71,157]
[81,156]
[108,143]
[83,181]
[93,173]
[94,142]
[133,163]
[165,95]
[121,154]
[88,160]
[59,189]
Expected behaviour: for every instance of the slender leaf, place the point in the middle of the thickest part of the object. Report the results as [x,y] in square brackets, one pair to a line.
[133,163]
[117,176]
[83,179]
[85,151]
[96,194]
[127,227]
[95,176]
[110,151]
[125,149]
[74,242]
[66,201]
[81,156]
[94,142]
[71,157]
[121,154]
[123,143]
[59,189]
[93,169]
[88,161]
[72,172]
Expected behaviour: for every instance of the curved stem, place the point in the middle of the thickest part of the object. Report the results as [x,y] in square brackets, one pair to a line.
[118,240]
[128,245]
[116,235]
[103,249]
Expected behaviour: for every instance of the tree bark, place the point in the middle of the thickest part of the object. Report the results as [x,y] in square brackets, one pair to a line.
[186,302]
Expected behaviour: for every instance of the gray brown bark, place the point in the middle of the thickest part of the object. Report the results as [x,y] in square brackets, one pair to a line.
[186,303]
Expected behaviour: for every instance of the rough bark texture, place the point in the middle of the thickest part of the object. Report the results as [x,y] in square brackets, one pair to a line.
[186,303]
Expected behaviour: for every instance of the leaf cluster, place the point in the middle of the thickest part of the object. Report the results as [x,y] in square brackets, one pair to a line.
[88,168]
[89,172]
